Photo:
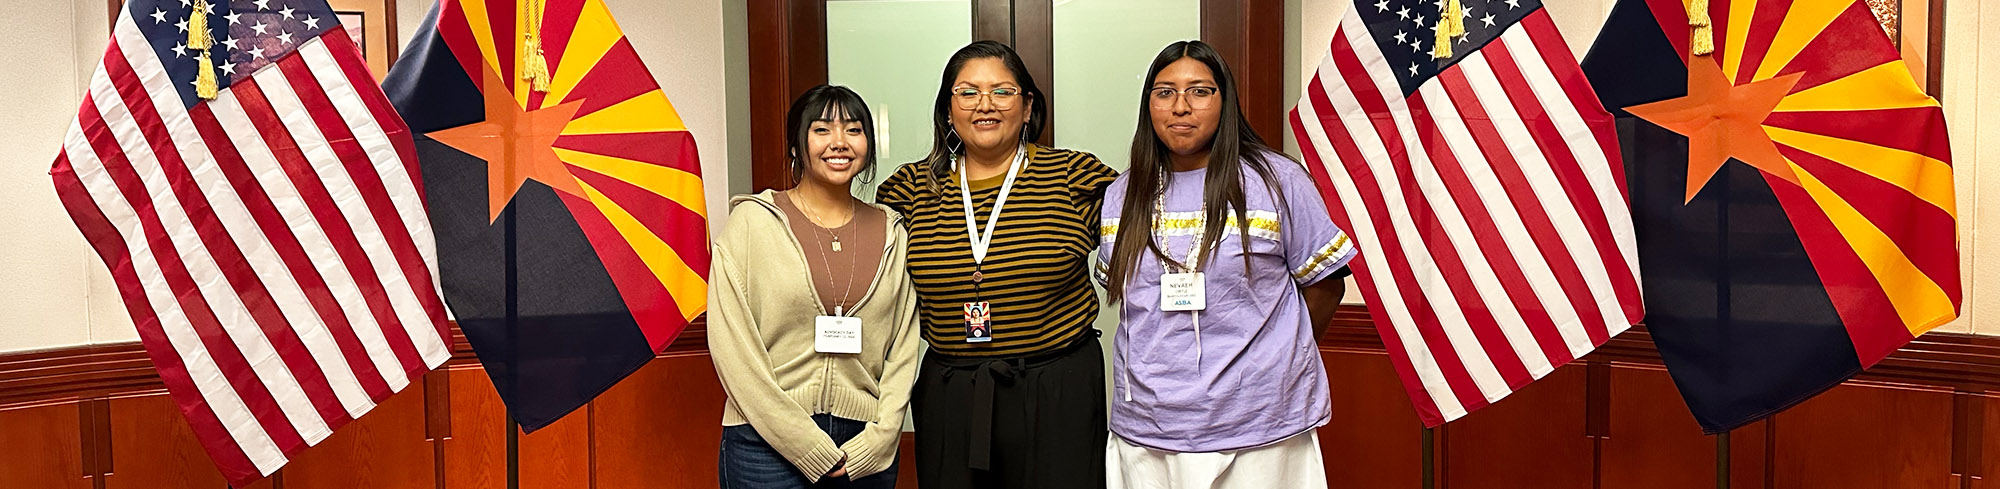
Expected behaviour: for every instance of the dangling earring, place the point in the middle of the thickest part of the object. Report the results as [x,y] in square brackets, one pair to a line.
[957,143]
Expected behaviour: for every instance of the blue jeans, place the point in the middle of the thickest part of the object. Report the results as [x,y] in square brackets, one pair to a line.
[747,462]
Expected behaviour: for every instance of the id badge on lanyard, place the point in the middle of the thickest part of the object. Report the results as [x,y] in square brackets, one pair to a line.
[979,314]
[837,333]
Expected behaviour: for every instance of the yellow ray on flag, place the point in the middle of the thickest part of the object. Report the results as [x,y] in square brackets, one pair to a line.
[595,34]
[681,187]
[1886,86]
[1805,22]
[663,260]
[648,112]
[1918,300]
[1928,179]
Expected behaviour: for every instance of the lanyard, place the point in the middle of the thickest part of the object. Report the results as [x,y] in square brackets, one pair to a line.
[1194,255]
[980,242]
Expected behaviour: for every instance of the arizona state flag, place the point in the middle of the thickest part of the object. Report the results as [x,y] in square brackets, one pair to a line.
[564,191]
[1791,189]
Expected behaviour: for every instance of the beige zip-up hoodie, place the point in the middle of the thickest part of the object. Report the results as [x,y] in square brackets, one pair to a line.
[760,335]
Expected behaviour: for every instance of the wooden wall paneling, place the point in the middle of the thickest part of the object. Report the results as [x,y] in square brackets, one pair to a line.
[558,455]
[661,427]
[1243,31]
[1374,438]
[1532,438]
[1865,436]
[437,420]
[1968,414]
[787,52]
[45,448]
[155,448]
[476,454]
[384,448]
[1750,455]
[906,462]
[1989,446]
[73,373]
[1653,442]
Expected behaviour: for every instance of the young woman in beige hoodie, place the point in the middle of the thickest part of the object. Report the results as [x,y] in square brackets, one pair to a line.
[812,320]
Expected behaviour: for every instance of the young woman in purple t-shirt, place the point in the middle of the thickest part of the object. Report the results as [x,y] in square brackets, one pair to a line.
[1227,267]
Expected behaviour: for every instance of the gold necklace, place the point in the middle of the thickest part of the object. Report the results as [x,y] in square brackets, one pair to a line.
[817,221]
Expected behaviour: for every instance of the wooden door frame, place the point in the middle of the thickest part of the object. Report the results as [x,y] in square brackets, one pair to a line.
[787,57]
[787,49]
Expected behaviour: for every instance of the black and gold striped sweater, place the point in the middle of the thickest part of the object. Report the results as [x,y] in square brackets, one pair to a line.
[1036,273]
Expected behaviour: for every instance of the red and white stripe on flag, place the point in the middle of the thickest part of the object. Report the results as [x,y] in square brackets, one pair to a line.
[1489,204]
[270,245]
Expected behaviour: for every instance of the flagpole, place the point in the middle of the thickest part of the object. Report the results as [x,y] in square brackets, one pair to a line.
[513,337]
[1722,460]
[1430,458]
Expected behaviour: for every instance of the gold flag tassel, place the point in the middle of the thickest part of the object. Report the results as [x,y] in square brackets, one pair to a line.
[1703,41]
[534,69]
[200,41]
[1451,25]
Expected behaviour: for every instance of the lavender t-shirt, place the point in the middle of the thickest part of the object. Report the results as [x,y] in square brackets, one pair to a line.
[1251,373]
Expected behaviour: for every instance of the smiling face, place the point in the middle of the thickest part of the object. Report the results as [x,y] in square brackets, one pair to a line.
[1186,107]
[988,106]
[834,150]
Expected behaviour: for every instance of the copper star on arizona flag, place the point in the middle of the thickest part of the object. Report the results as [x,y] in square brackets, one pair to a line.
[553,163]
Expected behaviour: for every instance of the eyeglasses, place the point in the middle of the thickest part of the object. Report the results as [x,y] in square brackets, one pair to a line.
[1198,98]
[1002,98]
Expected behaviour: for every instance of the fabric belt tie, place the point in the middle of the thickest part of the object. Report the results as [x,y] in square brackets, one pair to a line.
[979,456]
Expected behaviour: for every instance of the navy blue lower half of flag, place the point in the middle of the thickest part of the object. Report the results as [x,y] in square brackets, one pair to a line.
[562,335]
[1732,300]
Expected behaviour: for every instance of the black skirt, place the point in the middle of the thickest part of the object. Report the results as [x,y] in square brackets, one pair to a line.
[1035,421]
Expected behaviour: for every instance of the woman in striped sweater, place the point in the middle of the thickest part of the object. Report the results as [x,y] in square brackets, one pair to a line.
[1000,228]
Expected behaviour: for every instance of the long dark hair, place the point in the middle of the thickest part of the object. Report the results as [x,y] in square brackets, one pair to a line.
[944,140]
[829,103]
[1234,148]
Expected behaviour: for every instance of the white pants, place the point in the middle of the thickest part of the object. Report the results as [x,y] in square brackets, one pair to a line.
[1292,463]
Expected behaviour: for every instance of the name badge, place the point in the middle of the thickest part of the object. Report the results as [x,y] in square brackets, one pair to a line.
[837,334]
[1182,292]
[978,322]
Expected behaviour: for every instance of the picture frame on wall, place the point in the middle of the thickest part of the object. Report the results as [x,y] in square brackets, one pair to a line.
[356,23]
[1917,26]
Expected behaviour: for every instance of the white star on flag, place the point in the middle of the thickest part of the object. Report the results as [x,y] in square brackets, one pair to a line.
[159,16]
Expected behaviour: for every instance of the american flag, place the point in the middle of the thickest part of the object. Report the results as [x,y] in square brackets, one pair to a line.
[1485,189]
[270,244]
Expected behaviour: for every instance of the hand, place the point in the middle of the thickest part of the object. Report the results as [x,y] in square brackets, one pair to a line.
[839,468]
